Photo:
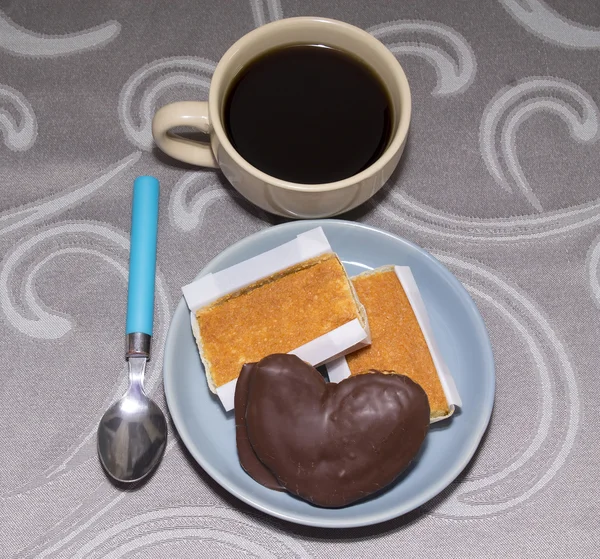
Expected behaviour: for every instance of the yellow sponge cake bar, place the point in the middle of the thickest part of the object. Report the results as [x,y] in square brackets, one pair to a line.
[397,342]
[274,315]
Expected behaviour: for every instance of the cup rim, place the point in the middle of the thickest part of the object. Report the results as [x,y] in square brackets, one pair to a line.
[390,152]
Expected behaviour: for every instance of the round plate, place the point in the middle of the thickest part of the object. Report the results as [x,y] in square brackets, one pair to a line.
[209,433]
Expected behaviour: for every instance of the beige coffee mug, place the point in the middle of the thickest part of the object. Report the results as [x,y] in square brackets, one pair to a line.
[272,194]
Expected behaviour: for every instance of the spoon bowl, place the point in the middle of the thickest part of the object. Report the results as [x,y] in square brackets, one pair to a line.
[132,433]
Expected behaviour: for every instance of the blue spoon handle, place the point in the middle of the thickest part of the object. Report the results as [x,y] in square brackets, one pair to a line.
[142,257]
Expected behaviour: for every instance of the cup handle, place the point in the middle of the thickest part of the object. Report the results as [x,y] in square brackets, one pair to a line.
[184,113]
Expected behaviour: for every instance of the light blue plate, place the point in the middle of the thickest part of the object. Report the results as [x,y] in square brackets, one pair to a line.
[209,433]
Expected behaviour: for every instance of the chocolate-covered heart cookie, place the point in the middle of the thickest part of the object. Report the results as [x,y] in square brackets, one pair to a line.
[331,444]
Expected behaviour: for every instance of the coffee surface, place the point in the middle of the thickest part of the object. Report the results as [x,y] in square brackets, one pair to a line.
[308,114]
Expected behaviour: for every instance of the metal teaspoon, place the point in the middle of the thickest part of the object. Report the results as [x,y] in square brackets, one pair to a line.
[132,434]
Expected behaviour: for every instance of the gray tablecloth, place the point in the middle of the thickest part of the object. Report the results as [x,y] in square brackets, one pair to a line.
[499,181]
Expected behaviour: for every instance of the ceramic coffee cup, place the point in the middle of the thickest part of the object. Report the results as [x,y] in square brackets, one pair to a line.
[270,193]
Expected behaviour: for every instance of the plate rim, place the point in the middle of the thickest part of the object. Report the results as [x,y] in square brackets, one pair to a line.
[405,506]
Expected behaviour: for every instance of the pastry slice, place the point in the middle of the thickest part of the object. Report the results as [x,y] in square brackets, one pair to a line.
[277,314]
[397,341]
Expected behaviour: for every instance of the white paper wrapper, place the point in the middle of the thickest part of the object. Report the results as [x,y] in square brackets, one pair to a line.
[338,369]
[311,244]
[210,287]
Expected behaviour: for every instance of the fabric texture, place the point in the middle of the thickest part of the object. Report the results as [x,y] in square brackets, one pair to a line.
[499,181]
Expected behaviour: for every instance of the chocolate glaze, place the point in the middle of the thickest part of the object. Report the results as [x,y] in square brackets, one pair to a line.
[248,459]
[330,444]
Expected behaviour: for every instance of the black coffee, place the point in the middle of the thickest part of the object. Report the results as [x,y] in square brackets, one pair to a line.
[308,114]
